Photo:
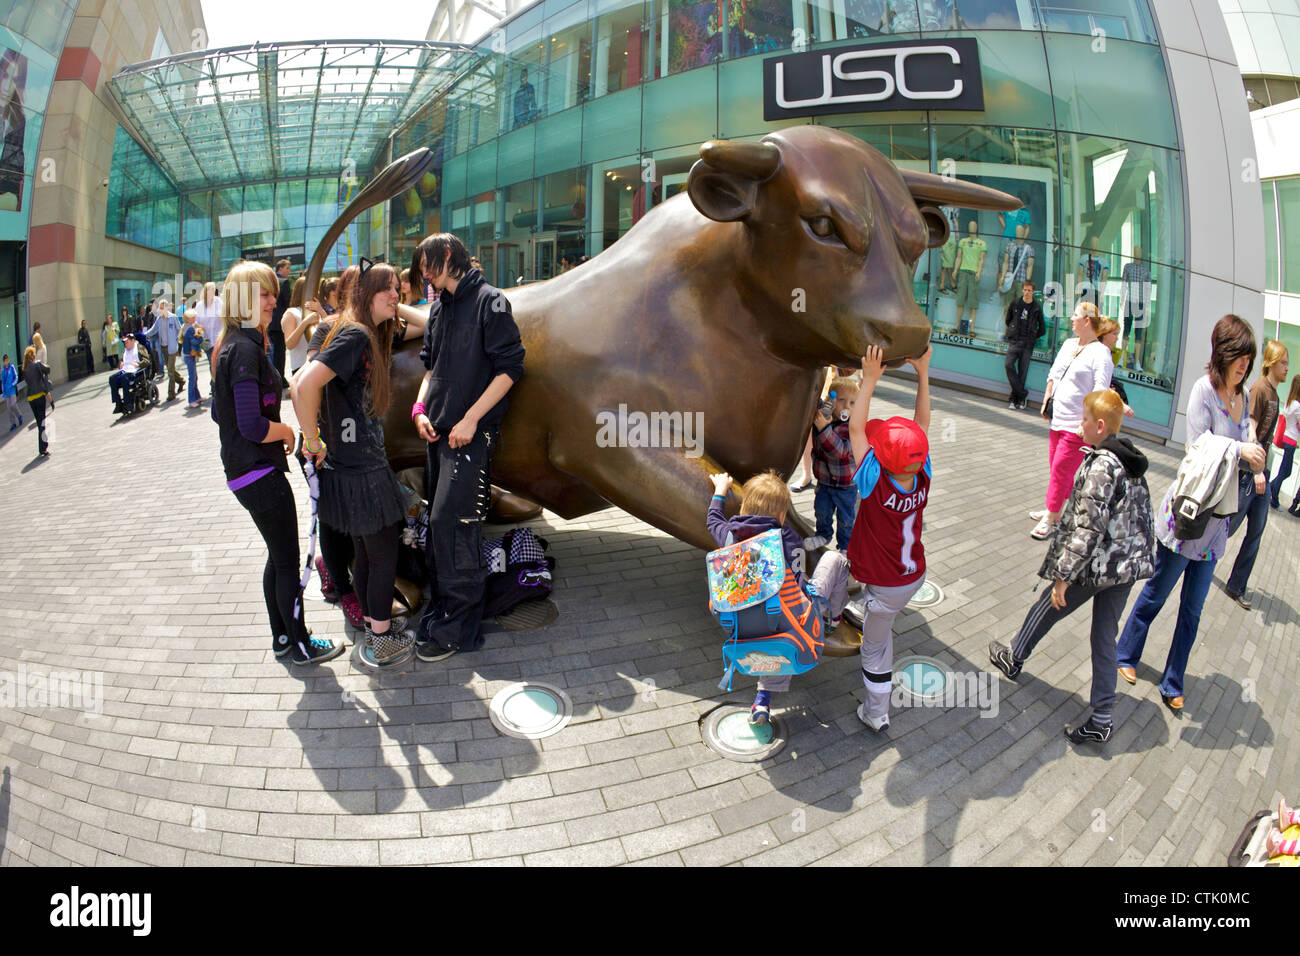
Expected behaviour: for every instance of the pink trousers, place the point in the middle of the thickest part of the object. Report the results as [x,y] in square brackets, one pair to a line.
[1065,454]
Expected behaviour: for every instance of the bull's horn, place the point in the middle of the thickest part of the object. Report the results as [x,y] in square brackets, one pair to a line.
[757,161]
[946,191]
[397,177]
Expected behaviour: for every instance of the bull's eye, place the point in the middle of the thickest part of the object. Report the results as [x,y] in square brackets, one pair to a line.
[822,226]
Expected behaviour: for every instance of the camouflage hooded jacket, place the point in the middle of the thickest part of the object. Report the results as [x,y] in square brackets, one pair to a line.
[1107,531]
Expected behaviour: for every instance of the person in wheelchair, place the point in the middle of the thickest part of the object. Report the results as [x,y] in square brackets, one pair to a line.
[124,384]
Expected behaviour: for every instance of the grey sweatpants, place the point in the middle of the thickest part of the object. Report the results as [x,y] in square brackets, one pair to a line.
[1107,606]
[880,607]
[11,402]
[831,583]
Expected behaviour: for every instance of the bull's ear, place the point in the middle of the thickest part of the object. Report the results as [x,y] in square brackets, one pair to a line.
[946,191]
[937,224]
[723,184]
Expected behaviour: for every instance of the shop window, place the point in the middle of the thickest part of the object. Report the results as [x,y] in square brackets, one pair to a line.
[1016,85]
[1288,204]
[1270,237]
[1121,19]
[1122,92]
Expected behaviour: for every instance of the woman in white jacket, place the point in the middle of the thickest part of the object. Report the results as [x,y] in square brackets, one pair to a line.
[1082,365]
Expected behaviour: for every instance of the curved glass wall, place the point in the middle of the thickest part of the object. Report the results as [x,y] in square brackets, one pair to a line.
[579,117]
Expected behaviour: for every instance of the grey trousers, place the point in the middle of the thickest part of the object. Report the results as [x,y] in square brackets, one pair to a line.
[831,583]
[11,402]
[880,607]
[1107,605]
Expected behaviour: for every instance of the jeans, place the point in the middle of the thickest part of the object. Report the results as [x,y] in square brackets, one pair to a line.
[192,371]
[829,502]
[1283,473]
[1169,567]
[1017,365]
[458,488]
[1255,513]
[1107,605]
[119,385]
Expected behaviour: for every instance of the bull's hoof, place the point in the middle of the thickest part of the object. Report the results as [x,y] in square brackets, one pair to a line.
[844,641]
[408,594]
[509,509]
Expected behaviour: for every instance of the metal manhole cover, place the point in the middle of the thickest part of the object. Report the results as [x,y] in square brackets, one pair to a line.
[529,616]
[927,595]
[530,710]
[363,659]
[727,732]
[921,678]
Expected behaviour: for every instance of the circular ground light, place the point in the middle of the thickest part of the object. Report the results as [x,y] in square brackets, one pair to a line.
[927,595]
[922,678]
[530,710]
[529,615]
[727,732]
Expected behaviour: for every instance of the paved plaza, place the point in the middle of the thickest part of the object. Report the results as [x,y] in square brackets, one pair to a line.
[126,556]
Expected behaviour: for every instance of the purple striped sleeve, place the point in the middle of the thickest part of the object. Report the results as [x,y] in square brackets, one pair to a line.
[248,412]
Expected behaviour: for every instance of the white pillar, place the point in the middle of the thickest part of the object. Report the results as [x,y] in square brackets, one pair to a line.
[600,81]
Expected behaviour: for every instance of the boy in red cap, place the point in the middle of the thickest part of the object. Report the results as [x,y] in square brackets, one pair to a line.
[885,552]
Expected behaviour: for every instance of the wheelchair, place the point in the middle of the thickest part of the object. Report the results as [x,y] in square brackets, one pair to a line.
[142,392]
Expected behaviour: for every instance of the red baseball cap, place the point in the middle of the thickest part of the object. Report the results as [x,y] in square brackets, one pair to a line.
[899,443]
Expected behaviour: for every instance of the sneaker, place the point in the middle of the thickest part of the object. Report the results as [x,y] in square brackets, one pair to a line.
[280,645]
[833,623]
[1001,657]
[389,647]
[1043,530]
[315,650]
[327,589]
[352,610]
[815,542]
[1089,732]
[432,651]
[760,715]
[878,724]
[1012,405]
[855,612]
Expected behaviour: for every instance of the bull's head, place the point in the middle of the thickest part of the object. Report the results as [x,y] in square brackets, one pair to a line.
[835,228]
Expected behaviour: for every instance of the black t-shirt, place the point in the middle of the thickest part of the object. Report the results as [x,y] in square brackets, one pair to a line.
[318,337]
[244,360]
[354,439]
[274,330]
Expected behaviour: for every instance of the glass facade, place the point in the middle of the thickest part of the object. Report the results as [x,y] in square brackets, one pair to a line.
[580,116]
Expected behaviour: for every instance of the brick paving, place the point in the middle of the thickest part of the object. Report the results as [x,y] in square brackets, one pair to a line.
[128,558]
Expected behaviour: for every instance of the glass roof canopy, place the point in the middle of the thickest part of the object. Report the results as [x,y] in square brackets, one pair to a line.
[281,110]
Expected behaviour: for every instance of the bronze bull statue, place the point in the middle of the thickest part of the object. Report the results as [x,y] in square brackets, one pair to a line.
[721,308]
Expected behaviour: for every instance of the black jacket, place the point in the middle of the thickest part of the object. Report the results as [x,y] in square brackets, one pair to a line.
[470,340]
[1025,321]
[37,376]
[274,330]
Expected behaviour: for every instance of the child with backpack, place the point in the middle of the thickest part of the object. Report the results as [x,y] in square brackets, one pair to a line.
[764,505]
[1105,542]
[885,552]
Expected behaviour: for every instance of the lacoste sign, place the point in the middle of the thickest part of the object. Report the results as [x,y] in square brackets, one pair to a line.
[868,77]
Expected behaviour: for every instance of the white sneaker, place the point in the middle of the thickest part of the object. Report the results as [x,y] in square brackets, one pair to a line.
[1012,405]
[878,724]
[855,612]
[815,542]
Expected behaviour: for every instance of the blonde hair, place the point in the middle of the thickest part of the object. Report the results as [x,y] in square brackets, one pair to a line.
[1106,326]
[29,355]
[843,387]
[1105,405]
[1092,314]
[765,494]
[37,341]
[235,306]
[1274,352]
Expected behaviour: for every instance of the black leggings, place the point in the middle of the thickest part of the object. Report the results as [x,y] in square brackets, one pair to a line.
[270,501]
[337,551]
[38,413]
[375,570]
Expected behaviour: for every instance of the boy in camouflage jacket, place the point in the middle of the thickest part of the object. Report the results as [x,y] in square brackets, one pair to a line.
[1105,543]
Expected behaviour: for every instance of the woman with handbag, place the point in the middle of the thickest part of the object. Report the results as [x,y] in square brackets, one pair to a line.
[1288,436]
[1082,365]
[1217,404]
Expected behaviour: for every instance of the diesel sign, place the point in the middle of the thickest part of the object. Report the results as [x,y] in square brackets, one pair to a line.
[903,75]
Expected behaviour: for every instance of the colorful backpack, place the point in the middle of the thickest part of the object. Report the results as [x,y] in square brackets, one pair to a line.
[772,626]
